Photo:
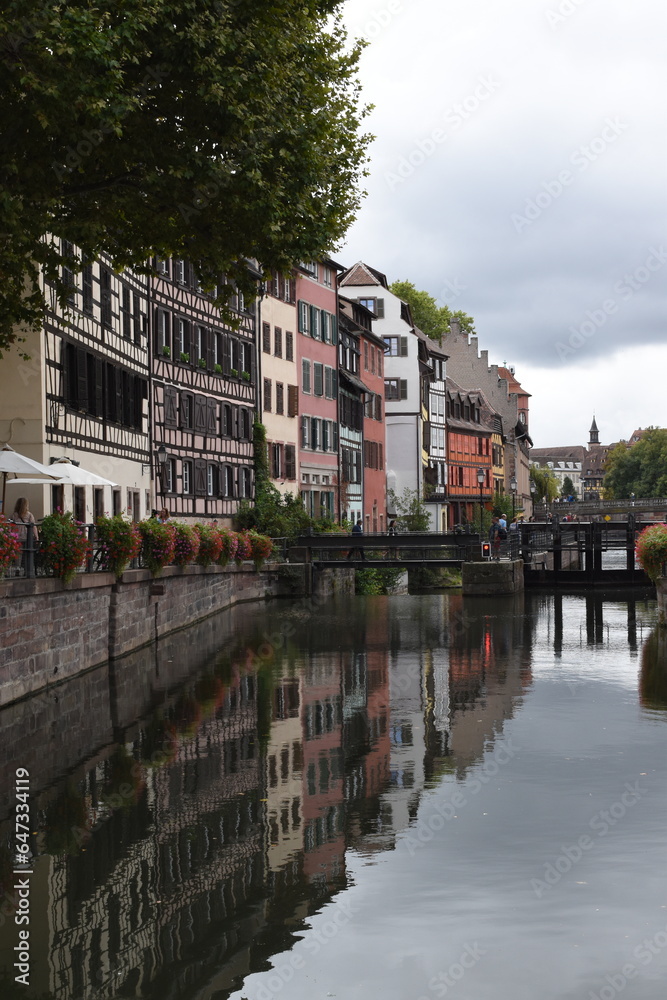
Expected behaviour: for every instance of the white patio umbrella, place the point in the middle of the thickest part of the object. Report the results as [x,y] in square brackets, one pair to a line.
[66,472]
[12,462]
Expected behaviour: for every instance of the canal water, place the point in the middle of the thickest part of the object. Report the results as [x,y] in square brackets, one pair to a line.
[402,798]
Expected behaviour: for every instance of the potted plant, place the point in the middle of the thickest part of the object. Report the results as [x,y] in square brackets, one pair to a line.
[166,351]
[10,544]
[217,369]
[234,372]
[244,548]
[261,546]
[63,545]
[119,543]
[230,544]
[202,362]
[210,543]
[245,376]
[157,544]
[185,357]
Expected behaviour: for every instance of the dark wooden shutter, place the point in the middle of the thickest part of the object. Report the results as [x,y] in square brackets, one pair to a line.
[99,387]
[170,407]
[292,400]
[379,308]
[403,347]
[404,388]
[140,387]
[110,403]
[200,477]
[211,418]
[200,415]
[208,347]
[266,338]
[226,355]
[81,379]
[290,461]
[128,399]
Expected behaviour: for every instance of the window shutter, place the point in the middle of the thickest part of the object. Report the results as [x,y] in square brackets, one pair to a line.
[315,322]
[200,415]
[211,418]
[200,477]
[334,329]
[99,390]
[324,320]
[292,400]
[380,456]
[404,388]
[318,384]
[305,374]
[266,338]
[335,435]
[314,433]
[81,379]
[304,317]
[290,462]
[325,435]
[252,367]
[128,399]
[334,384]
[378,408]
[328,385]
[404,347]
[379,308]
[170,404]
[267,395]
[305,435]
[357,466]
[226,355]
[119,395]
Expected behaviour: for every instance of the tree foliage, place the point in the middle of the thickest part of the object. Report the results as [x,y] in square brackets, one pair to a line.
[547,487]
[206,129]
[640,469]
[432,319]
[411,511]
[568,489]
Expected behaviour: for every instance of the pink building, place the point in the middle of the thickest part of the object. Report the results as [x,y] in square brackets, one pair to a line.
[317,339]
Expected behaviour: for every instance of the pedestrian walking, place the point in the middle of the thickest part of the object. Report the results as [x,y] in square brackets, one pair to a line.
[357,550]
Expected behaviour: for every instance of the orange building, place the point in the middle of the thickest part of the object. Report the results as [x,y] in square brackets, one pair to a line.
[469,431]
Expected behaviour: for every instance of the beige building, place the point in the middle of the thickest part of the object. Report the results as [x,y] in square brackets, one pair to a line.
[279,382]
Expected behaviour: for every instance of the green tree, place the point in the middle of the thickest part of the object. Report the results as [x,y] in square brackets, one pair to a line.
[547,487]
[640,469]
[207,129]
[411,511]
[568,488]
[431,318]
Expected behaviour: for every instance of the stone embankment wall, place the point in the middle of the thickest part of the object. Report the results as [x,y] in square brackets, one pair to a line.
[50,631]
[490,577]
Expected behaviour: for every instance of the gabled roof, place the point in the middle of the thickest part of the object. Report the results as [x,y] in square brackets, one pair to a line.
[363,274]
[432,346]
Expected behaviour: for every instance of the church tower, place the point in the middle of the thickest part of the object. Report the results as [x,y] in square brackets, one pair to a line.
[593,434]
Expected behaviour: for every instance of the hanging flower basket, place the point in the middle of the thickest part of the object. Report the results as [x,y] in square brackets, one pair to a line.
[244,548]
[157,544]
[187,544]
[262,547]
[210,544]
[230,544]
[10,545]
[651,550]
[119,543]
[63,545]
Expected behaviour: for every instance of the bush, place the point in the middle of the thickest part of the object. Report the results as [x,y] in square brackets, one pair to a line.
[186,545]
[376,581]
[157,544]
[10,544]
[120,543]
[210,544]
[261,548]
[651,550]
[63,545]
[244,549]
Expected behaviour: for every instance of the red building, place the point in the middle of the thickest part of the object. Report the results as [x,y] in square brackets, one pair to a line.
[469,429]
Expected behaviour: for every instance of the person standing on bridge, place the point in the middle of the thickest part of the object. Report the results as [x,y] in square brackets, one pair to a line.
[357,529]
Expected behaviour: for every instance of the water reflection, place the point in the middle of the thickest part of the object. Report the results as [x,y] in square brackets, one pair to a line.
[209,789]
[653,676]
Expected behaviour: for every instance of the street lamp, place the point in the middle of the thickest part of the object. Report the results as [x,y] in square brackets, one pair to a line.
[480,479]
[513,485]
[533,491]
[161,457]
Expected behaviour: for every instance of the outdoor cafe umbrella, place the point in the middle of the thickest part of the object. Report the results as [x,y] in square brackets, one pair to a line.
[65,473]
[13,462]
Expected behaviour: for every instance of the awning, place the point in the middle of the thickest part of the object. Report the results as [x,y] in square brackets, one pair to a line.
[355,382]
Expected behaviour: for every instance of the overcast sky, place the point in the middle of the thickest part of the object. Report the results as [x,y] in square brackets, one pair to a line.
[520,173]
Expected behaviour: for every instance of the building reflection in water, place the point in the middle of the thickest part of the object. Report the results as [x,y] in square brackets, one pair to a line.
[653,675]
[191,844]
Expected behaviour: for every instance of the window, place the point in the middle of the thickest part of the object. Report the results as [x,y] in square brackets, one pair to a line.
[290,462]
[305,375]
[245,482]
[187,477]
[304,317]
[315,323]
[211,476]
[228,481]
[395,388]
[67,250]
[105,296]
[280,397]
[162,339]
[170,471]
[138,318]
[278,342]
[396,347]
[267,395]
[126,313]
[310,266]
[289,346]
[227,424]
[87,276]
[276,461]
[305,432]
[179,271]
[327,275]
[375,305]
[162,267]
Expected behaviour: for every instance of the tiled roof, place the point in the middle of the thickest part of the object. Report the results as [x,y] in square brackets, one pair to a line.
[362,274]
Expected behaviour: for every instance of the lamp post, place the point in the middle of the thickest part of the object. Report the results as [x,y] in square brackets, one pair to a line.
[161,457]
[480,479]
[533,491]
[513,485]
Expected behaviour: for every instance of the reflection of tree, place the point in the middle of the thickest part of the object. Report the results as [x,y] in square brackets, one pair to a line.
[653,676]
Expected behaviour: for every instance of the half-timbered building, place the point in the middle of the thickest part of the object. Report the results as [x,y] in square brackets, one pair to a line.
[204,389]
[83,393]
